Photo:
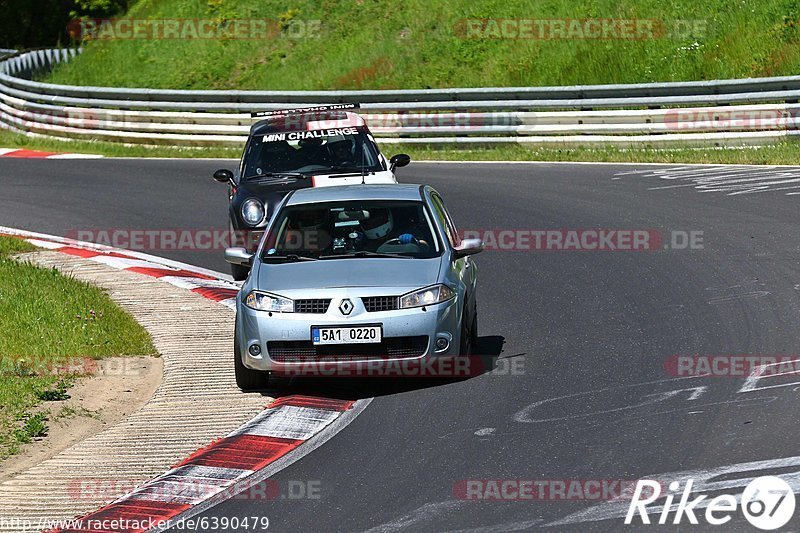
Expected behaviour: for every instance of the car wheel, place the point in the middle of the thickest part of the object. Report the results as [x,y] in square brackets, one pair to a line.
[239,272]
[247,380]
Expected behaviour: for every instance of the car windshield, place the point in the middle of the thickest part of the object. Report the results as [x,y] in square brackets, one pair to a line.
[345,150]
[352,230]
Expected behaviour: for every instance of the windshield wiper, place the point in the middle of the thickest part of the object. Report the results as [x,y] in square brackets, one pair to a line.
[277,175]
[365,253]
[289,257]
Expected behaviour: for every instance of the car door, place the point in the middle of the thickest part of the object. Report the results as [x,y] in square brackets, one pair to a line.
[463,268]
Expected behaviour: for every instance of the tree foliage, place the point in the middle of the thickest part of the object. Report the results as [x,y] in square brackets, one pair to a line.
[39,23]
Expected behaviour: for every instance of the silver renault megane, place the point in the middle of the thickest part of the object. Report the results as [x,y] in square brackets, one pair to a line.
[371,274]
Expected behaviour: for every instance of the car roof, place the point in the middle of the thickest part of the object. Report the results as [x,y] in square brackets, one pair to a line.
[404,191]
[301,121]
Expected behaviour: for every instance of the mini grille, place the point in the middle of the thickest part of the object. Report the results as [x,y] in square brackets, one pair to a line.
[373,304]
[316,305]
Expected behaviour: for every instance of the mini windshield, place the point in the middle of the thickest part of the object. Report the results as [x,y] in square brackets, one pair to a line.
[333,151]
[353,229]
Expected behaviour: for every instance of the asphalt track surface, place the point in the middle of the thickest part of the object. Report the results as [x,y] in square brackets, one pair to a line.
[596,327]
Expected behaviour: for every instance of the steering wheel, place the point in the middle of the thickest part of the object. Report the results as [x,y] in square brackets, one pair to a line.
[397,241]
[404,240]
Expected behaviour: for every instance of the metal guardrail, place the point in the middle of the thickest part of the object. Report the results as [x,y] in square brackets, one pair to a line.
[739,112]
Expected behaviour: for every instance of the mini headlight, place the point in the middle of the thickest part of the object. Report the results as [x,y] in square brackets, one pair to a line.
[427,296]
[263,301]
[253,211]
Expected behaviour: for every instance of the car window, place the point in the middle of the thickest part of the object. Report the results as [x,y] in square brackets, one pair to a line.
[444,218]
[305,153]
[352,229]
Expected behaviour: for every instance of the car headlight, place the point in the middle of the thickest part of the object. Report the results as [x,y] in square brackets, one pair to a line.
[253,211]
[263,301]
[429,295]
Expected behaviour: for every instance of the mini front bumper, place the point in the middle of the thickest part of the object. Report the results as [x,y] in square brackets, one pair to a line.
[263,328]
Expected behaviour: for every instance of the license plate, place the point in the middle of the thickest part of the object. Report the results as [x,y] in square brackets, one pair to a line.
[348,335]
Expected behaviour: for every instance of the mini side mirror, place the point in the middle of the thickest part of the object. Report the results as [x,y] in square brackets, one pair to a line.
[223,175]
[468,247]
[238,256]
[399,160]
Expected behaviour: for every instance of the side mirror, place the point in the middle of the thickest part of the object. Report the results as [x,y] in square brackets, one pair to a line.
[238,256]
[468,247]
[224,175]
[399,160]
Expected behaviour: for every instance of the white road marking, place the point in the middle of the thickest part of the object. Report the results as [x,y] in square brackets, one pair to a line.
[525,415]
[746,296]
[724,478]
[729,179]
[417,516]
[751,383]
[75,156]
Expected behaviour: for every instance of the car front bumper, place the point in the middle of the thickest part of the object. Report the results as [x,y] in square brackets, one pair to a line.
[284,339]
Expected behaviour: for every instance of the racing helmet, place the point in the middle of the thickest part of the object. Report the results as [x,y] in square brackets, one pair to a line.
[274,151]
[342,150]
[379,223]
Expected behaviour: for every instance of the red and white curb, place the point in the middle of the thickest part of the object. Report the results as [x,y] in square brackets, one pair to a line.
[218,471]
[288,428]
[38,154]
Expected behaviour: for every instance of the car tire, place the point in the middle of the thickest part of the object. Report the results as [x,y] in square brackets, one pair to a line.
[239,272]
[247,380]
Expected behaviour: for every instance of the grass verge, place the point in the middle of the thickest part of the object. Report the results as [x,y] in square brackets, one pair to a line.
[784,153]
[10,139]
[382,44]
[49,321]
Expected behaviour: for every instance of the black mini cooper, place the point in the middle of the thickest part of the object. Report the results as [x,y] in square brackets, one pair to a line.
[294,149]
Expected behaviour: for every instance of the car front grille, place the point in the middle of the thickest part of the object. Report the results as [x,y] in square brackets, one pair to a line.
[315,305]
[374,304]
[389,348]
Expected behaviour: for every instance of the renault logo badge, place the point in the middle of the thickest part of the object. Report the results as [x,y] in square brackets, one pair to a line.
[346,307]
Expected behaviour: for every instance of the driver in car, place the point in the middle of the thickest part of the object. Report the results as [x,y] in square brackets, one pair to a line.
[276,156]
[385,236]
[342,153]
[310,151]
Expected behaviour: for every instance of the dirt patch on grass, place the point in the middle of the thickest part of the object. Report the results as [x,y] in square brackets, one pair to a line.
[120,386]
